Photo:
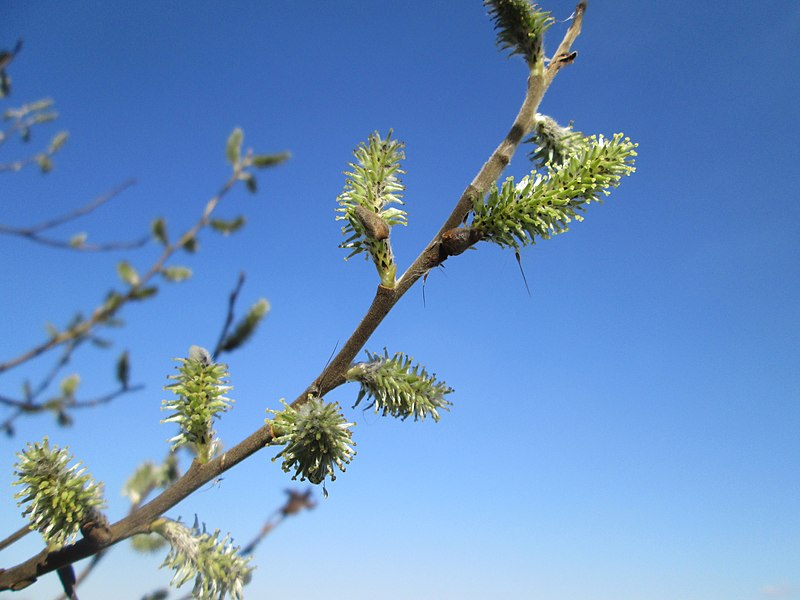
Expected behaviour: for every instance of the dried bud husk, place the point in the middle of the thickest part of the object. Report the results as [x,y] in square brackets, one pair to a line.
[375,227]
[457,240]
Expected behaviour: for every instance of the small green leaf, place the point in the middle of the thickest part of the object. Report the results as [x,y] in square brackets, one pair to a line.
[147,543]
[44,162]
[78,240]
[58,141]
[159,230]
[191,245]
[176,273]
[99,342]
[227,227]
[233,150]
[44,118]
[246,327]
[144,293]
[113,301]
[262,161]
[123,369]
[69,385]
[250,182]
[127,273]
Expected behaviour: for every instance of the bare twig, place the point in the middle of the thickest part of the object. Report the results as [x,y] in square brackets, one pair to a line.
[234,295]
[17,535]
[34,232]
[295,503]
[103,312]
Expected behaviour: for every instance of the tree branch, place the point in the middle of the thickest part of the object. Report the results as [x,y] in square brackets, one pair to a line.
[333,374]
[103,313]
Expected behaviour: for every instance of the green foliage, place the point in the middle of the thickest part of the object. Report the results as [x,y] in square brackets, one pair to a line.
[249,182]
[191,245]
[58,497]
[245,328]
[371,187]
[176,273]
[127,273]
[69,385]
[317,438]
[123,370]
[144,293]
[148,477]
[44,162]
[78,240]
[217,567]
[200,386]
[520,28]
[57,142]
[226,227]
[399,388]
[159,230]
[543,205]
[262,161]
[233,148]
[147,543]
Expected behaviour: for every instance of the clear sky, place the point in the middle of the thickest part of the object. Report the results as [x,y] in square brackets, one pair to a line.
[630,430]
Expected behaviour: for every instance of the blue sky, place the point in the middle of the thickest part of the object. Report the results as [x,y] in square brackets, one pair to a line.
[627,431]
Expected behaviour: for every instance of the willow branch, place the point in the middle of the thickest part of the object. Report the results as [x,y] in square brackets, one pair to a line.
[34,232]
[226,327]
[331,377]
[102,313]
[14,537]
[80,211]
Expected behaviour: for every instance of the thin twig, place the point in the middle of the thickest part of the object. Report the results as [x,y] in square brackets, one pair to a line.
[234,295]
[34,232]
[17,535]
[81,211]
[103,313]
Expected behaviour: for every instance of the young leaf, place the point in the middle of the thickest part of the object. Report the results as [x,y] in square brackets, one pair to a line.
[159,230]
[250,182]
[123,369]
[191,245]
[69,385]
[227,227]
[176,273]
[246,327]
[233,150]
[78,240]
[144,293]
[44,162]
[57,142]
[261,161]
[127,273]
